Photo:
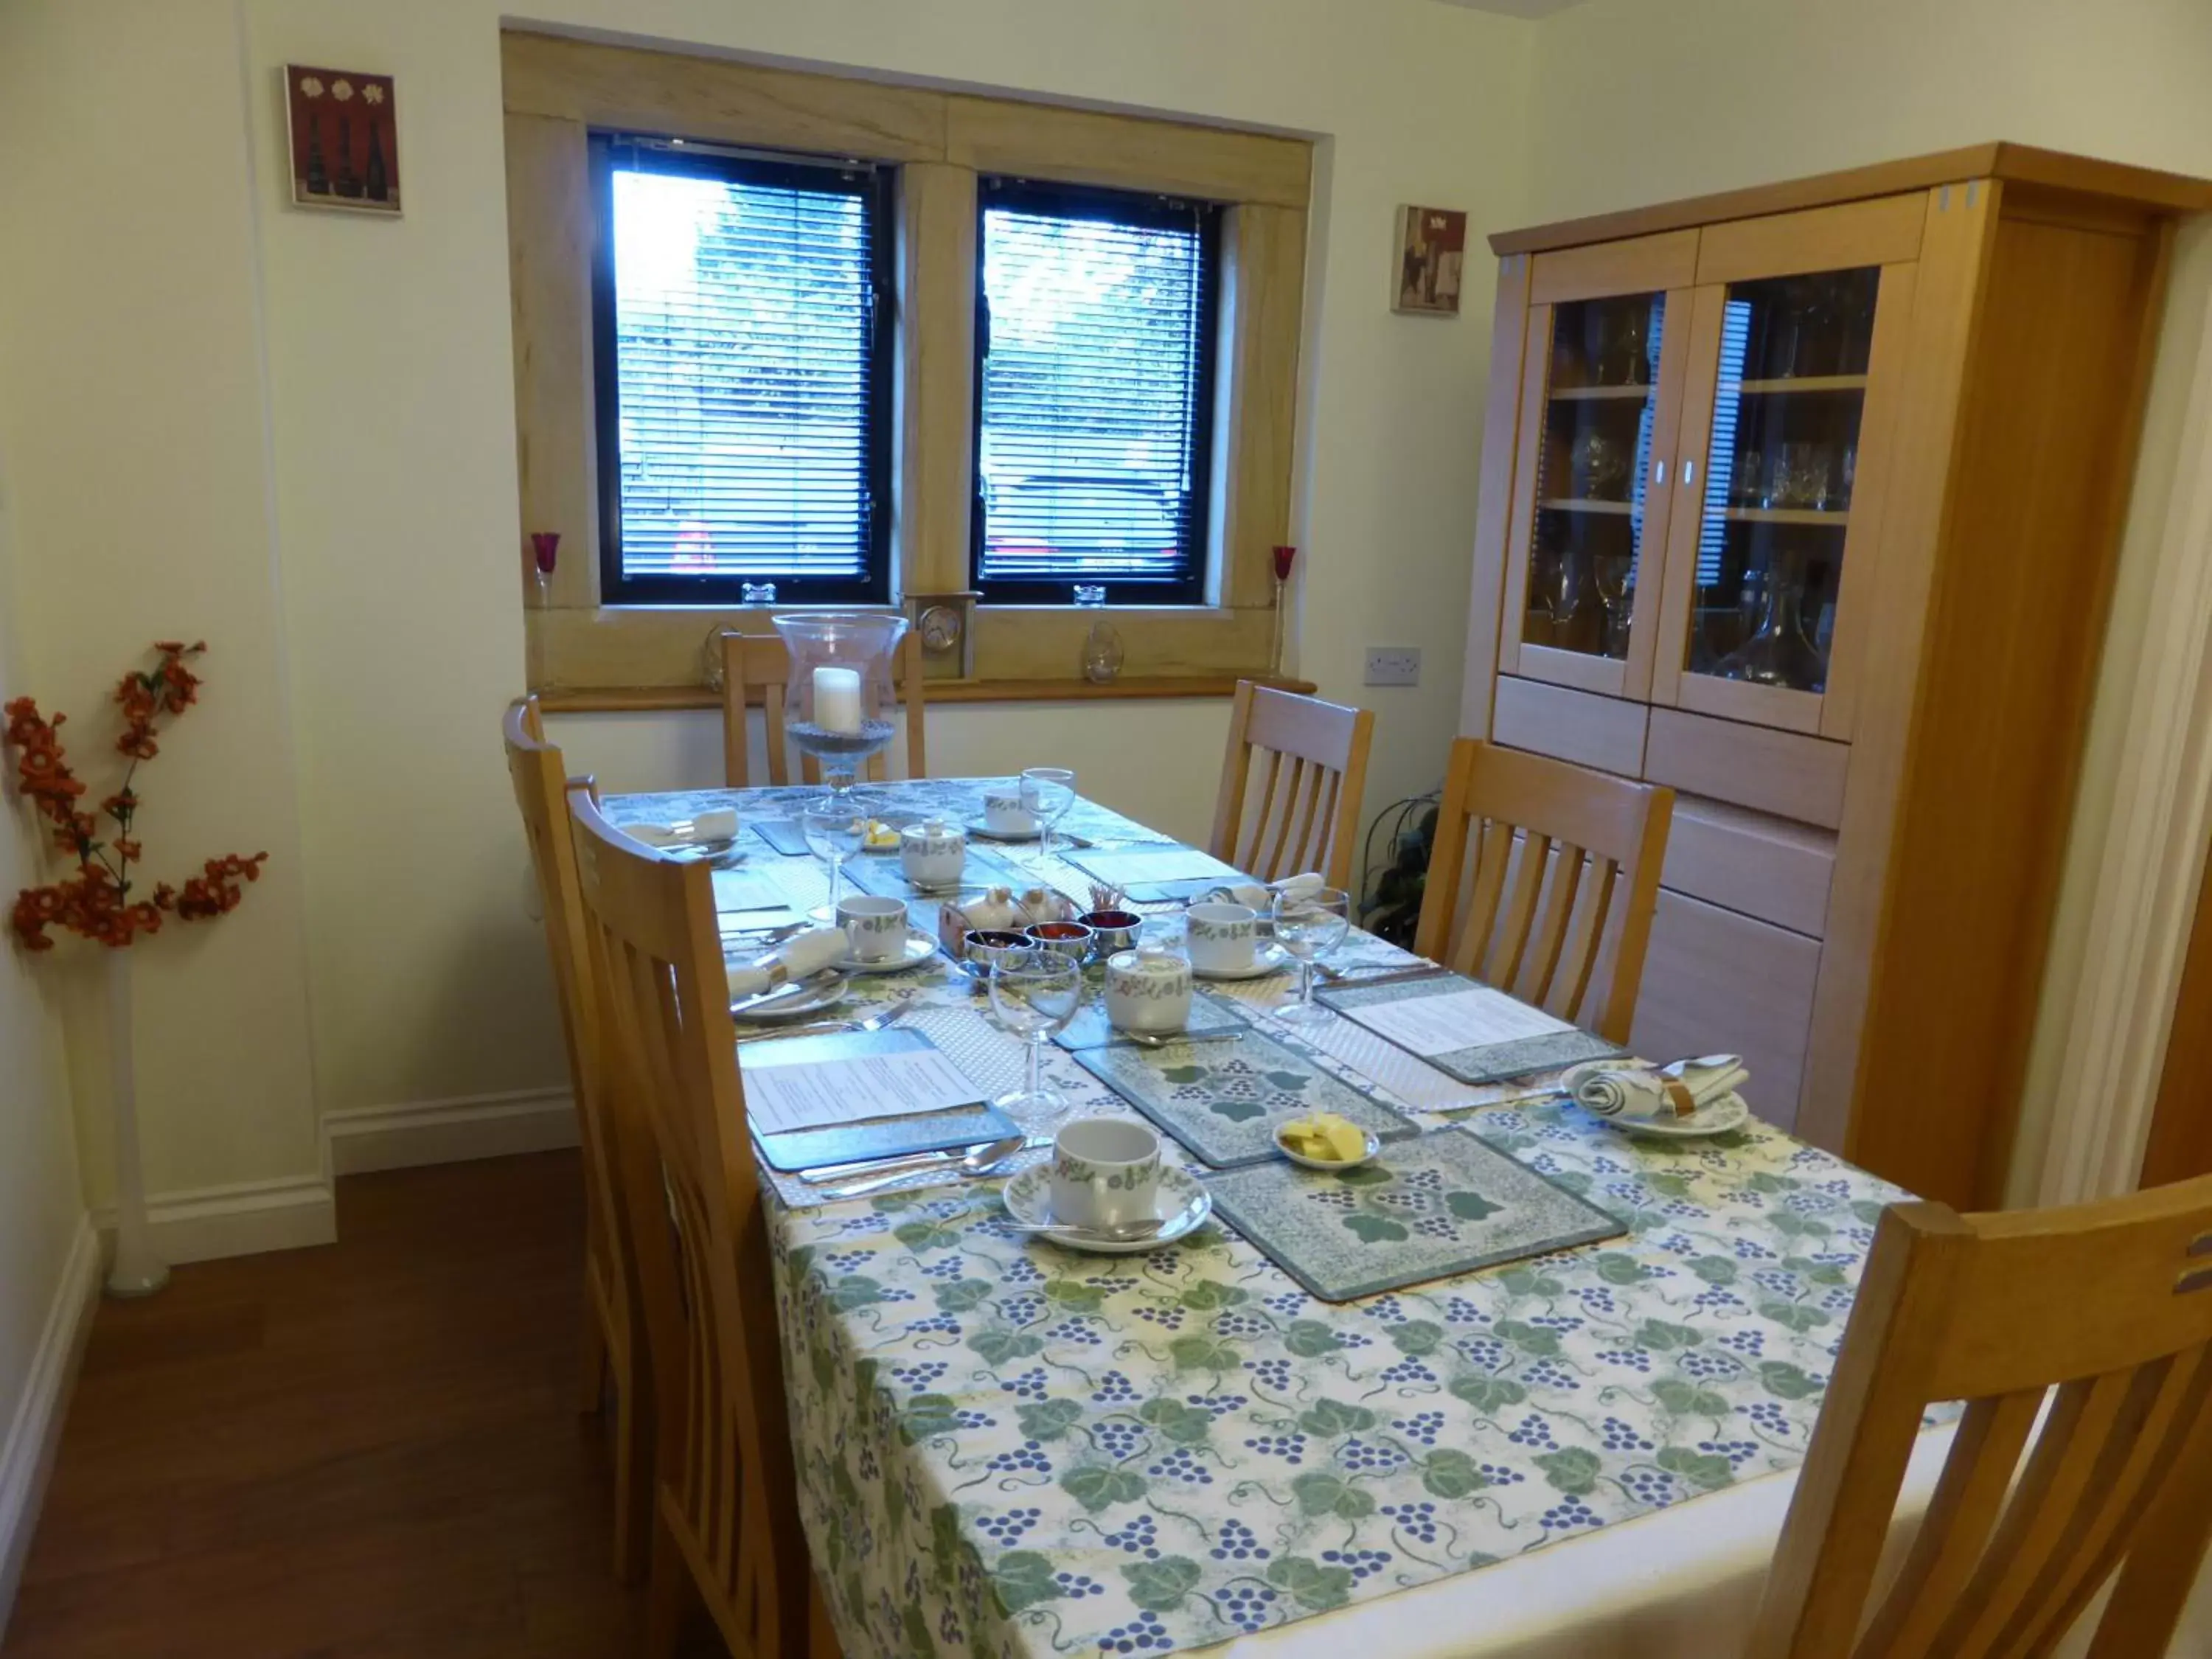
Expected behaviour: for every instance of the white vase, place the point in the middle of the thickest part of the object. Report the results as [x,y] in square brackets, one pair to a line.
[137,1268]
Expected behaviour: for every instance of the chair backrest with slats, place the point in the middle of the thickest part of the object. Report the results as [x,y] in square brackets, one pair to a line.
[2097,1318]
[1543,882]
[755,669]
[541,788]
[705,1274]
[1304,815]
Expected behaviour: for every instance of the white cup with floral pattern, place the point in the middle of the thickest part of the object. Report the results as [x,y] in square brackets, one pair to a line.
[1105,1174]
[1220,937]
[1147,991]
[932,854]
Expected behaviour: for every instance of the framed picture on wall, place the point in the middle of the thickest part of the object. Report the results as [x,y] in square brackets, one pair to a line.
[342,130]
[1431,253]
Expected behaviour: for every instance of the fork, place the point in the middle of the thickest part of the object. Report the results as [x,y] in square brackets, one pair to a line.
[875,1022]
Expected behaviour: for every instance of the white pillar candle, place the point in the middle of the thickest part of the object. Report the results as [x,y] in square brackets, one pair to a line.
[837,699]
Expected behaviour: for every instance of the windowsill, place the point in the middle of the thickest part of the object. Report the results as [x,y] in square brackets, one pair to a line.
[652,699]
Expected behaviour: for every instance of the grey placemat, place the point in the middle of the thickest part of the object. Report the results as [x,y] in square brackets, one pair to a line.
[1090,1029]
[1223,1100]
[1429,1208]
[1487,1062]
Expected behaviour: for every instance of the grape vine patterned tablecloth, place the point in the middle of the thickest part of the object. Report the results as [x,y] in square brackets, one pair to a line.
[1008,1450]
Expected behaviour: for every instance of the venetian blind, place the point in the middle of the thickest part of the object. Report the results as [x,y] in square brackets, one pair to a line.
[1096,347]
[750,415]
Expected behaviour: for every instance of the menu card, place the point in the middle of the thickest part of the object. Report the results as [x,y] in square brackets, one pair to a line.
[827,1082]
[1473,1032]
[1132,866]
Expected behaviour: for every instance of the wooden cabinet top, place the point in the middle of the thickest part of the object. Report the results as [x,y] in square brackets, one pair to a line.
[2049,169]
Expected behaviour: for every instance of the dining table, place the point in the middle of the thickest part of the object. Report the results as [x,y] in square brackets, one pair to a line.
[1012,1449]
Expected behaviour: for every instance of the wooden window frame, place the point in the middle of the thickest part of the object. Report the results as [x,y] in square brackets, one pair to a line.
[558,91]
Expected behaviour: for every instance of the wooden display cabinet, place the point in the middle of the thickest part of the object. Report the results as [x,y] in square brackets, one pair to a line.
[1805,501]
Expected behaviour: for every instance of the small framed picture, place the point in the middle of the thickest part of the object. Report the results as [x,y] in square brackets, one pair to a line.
[343,129]
[1431,253]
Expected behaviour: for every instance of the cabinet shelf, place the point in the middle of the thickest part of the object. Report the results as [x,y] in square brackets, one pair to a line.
[1798,384]
[1839,518]
[1590,394]
[1572,504]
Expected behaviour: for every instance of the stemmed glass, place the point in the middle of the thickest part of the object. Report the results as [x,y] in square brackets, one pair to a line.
[1034,995]
[1046,793]
[834,833]
[1612,572]
[1310,925]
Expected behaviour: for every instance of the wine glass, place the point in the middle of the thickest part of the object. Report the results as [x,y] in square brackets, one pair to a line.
[834,833]
[1310,925]
[1034,995]
[1046,793]
[1614,591]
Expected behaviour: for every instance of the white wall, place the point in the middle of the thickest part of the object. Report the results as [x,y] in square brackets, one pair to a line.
[389,359]
[132,420]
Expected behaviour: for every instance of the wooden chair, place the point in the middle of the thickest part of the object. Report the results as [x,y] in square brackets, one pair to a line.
[727,1530]
[755,668]
[1544,880]
[2109,1305]
[1310,821]
[614,1345]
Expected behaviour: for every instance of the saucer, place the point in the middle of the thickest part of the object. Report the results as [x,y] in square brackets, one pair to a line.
[1267,957]
[976,826]
[1333,1166]
[1726,1113]
[919,947]
[810,1001]
[1029,1200]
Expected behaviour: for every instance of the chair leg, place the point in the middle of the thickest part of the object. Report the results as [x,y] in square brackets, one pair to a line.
[821,1632]
[633,1481]
[669,1595]
[592,1393]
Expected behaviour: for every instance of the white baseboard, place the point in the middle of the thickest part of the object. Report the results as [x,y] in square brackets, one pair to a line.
[243,1219]
[363,1138]
[27,1455]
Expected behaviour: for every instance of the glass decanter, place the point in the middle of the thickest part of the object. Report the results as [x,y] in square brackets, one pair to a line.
[1778,652]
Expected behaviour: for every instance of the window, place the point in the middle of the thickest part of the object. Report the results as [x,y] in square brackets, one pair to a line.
[1095,353]
[741,344]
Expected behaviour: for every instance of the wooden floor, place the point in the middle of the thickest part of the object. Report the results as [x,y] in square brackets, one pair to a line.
[367,1451]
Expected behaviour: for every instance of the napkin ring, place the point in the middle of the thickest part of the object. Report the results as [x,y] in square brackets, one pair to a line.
[1679,1096]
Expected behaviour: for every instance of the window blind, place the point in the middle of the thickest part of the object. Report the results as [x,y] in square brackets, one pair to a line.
[750,402]
[1095,344]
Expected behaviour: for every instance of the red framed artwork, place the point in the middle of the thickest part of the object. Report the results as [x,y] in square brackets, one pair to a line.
[343,129]
[1431,252]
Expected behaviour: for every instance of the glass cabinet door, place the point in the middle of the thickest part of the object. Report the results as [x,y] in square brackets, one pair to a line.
[1777,446]
[1603,381]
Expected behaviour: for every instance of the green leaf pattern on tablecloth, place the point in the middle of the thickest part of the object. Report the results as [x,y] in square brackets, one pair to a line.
[1008,1450]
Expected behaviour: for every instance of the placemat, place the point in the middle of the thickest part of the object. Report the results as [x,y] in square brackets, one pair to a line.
[782,833]
[1091,1029]
[1429,1208]
[1479,1062]
[1223,1100]
[881,873]
[890,1137]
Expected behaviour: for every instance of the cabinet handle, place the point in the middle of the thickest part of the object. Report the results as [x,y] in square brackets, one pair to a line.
[1689,473]
[1658,472]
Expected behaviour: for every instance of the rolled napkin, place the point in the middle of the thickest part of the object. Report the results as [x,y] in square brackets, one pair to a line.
[796,959]
[1676,1091]
[1254,897]
[721,824]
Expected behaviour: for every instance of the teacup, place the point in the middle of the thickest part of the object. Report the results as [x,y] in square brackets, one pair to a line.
[1105,1173]
[932,854]
[876,926]
[1220,937]
[1004,814]
[1147,991]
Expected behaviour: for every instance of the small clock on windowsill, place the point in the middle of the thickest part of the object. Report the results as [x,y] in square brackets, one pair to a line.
[945,622]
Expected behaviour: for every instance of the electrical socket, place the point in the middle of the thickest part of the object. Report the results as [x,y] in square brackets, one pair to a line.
[1394,664]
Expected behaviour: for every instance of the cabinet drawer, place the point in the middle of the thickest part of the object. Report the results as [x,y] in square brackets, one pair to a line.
[1571,726]
[1718,983]
[1784,773]
[1764,867]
